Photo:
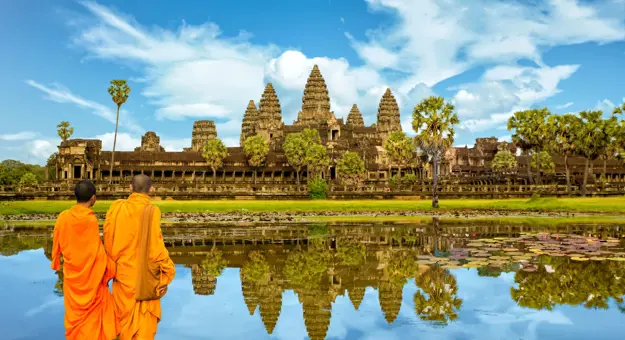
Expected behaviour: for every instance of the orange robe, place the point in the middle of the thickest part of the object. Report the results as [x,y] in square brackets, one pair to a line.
[89,306]
[138,319]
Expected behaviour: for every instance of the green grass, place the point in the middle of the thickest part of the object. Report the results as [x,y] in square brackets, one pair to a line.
[613,205]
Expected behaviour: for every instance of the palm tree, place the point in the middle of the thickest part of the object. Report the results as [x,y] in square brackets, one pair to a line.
[531,133]
[564,127]
[64,130]
[433,121]
[119,92]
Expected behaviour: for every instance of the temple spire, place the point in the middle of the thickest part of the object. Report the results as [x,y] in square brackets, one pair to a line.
[354,117]
[250,120]
[316,100]
[389,120]
[269,110]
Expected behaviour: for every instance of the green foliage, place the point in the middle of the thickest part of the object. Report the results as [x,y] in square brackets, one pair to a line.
[311,136]
[531,129]
[504,162]
[407,179]
[593,134]
[546,162]
[317,158]
[565,128]
[295,148]
[399,149]
[119,92]
[433,121]
[438,302]
[351,253]
[214,152]
[214,263]
[256,150]
[305,269]
[351,168]
[12,171]
[317,230]
[64,130]
[28,180]
[256,269]
[317,188]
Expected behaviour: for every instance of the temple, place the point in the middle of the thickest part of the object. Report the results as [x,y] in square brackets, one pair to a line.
[85,159]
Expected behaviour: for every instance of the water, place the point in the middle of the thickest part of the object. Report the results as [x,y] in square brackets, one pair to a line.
[358,282]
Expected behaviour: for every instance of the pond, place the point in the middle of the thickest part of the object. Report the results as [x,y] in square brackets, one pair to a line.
[364,281]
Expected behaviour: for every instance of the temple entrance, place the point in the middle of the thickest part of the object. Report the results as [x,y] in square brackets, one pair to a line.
[334,134]
[76,171]
[332,173]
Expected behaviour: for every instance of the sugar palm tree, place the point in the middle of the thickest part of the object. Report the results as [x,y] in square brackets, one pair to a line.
[119,92]
[433,121]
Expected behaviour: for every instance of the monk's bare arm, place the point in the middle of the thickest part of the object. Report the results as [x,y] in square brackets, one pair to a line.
[56,245]
[158,251]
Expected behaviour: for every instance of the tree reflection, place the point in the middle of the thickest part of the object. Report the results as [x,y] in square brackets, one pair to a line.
[441,303]
[561,281]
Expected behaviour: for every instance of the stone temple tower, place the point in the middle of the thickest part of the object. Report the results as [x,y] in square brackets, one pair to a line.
[389,120]
[315,102]
[354,118]
[203,131]
[269,123]
[250,120]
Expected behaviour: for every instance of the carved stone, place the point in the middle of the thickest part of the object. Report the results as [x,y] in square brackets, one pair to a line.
[150,142]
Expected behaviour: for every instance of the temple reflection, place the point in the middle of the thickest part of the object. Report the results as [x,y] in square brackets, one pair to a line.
[578,265]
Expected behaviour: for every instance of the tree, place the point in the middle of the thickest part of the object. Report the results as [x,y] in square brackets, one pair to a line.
[565,128]
[433,121]
[119,92]
[311,136]
[51,164]
[256,150]
[504,161]
[545,161]
[531,133]
[317,159]
[214,152]
[28,180]
[593,138]
[64,131]
[351,168]
[295,148]
[399,150]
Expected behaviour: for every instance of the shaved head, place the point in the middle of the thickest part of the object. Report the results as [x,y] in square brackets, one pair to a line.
[84,191]
[141,184]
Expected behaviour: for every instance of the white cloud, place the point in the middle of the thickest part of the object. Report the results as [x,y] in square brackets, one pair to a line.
[34,151]
[502,90]
[506,138]
[60,94]
[127,142]
[606,105]
[19,136]
[436,39]
[564,106]
[342,20]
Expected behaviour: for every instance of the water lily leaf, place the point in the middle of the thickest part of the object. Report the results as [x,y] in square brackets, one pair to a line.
[579,258]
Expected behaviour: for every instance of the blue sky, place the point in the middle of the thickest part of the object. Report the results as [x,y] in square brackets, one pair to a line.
[207,59]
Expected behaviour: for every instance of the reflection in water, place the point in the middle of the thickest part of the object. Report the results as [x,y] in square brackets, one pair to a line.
[570,265]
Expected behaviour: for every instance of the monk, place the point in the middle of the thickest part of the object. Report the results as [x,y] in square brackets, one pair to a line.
[138,319]
[89,306]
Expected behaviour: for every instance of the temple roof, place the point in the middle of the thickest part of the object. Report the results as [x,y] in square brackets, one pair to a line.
[355,117]
[389,119]
[269,111]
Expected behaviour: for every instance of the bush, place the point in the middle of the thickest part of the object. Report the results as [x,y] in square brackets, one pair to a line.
[317,188]
[407,179]
[28,180]
[535,197]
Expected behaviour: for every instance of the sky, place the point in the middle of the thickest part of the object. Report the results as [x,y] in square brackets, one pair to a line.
[195,59]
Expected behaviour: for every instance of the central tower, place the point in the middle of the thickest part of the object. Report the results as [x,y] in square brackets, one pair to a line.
[315,102]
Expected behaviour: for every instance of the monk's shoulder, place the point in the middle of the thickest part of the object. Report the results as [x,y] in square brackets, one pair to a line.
[114,205]
[156,210]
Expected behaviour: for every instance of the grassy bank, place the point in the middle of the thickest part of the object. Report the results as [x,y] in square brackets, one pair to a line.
[608,205]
